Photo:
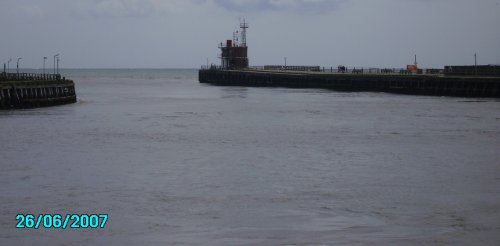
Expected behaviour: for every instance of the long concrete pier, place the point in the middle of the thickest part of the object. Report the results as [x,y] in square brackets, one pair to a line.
[35,90]
[437,85]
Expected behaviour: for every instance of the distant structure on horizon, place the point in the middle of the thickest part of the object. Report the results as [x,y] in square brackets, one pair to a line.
[234,54]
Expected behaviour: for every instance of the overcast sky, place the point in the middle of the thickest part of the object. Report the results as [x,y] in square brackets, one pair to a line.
[184,33]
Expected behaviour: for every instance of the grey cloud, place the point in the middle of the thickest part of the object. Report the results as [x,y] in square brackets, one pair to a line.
[131,8]
[305,6]
[120,8]
[102,9]
[114,8]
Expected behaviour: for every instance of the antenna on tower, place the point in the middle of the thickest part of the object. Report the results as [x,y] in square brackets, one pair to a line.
[235,38]
[243,26]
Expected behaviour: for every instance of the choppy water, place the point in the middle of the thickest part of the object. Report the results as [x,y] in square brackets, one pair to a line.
[177,162]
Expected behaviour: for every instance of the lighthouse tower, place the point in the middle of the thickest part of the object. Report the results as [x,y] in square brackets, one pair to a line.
[234,54]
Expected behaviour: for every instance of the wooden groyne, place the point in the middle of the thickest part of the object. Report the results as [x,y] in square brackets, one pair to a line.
[461,86]
[35,90]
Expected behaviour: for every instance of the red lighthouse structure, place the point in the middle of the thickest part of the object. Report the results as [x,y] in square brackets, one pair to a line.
[234,54]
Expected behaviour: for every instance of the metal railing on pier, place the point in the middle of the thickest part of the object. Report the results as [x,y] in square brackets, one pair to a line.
[336,70]
[28,76]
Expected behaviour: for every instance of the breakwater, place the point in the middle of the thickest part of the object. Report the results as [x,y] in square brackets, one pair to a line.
[26,90]
[462,86]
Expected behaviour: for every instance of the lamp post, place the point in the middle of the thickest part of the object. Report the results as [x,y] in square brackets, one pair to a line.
[44,58]
[56,55]
[8,65]
[285,62]
[18,59]
[475,64]
[498,34]
[57,64]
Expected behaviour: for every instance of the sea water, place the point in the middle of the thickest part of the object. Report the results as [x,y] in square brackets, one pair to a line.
[176,162]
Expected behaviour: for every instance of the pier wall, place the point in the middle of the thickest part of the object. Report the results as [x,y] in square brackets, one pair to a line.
[405,84]
[483,70]
[34,90]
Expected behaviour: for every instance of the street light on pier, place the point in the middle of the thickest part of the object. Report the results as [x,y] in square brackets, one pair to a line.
[475,64]
[498,33]
[56,55]
[8,65]
[44,58]
[18,65]
[57,64]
